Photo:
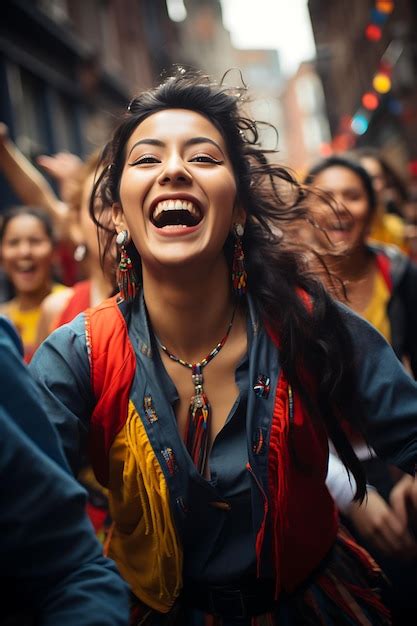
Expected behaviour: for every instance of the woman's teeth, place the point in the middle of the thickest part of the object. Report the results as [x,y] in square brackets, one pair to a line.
[338,226]
[176,213]
[26,267]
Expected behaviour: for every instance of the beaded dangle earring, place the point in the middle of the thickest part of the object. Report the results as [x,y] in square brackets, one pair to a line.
[126,276]
[239,275]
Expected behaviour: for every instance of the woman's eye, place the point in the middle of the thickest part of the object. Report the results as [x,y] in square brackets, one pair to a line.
[353,196]
[145,160]
[204,158]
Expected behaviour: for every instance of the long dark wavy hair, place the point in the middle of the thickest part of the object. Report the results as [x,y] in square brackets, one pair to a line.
[313,339]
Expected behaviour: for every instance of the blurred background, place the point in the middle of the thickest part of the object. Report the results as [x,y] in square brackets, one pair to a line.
[330,74]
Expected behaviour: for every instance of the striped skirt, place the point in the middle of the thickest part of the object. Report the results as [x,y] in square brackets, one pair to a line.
[344,591]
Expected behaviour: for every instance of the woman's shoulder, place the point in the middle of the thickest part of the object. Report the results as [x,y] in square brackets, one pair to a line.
[71,336]
[52,308]
[54,304]
[56,300]
[75,335]
[398,263]
[5,307]
[109,314]
[63,351]
[389,250]
[364,335]
[58,287]
[113,303]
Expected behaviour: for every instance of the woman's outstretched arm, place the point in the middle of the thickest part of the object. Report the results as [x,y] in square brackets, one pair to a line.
[28,183]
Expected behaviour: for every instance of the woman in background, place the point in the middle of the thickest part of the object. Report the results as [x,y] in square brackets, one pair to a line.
[381,285]
[70,213]
[26,253]
[62,307]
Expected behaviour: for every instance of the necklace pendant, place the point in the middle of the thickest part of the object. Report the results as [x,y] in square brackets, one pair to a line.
[197,376]
[198,401]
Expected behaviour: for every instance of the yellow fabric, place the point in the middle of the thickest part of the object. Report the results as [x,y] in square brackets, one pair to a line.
[144,543]
[377,310]
[389,228]
[26,322]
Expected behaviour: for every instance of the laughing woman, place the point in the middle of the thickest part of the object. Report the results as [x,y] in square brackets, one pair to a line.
[26,254]
[381,285]
[207,390]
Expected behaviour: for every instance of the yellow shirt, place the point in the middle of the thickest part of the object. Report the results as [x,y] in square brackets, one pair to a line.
[26,322]
[377,310]
[389,228]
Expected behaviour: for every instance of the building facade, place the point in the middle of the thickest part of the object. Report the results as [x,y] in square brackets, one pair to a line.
[67,67]
[307,130]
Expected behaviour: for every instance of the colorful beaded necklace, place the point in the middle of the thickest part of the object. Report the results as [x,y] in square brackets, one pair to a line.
[199,412]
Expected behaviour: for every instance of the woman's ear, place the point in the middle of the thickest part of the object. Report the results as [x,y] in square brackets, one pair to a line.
[118,217]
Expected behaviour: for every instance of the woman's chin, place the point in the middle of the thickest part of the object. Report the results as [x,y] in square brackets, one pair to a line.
[179,259]
[28,283]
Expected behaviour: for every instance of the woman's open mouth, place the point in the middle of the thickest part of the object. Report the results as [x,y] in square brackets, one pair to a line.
[175,213]
[339,226]
[26,268]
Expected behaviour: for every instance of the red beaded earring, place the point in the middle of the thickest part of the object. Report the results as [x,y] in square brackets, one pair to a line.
[239,275]
[126,276]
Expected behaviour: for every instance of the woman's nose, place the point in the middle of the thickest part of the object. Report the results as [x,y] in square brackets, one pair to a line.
[338,202]
[24,248]
[175,171]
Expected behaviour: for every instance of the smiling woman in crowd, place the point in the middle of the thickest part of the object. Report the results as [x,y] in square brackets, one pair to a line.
[26,255]
[381,285]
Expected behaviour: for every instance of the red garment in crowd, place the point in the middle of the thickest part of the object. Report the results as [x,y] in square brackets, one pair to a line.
[79,301]
[97,506]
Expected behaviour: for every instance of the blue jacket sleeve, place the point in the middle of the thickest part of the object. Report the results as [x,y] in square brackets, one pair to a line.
[48,550]
[61,370]
[387,393]
[18,392]
[47,547]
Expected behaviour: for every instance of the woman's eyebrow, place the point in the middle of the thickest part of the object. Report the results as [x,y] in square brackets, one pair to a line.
[196,140]
[148,141]
[190,142]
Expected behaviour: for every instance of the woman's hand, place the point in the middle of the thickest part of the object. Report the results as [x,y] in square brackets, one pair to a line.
[64,167]
[403,500]
[29,185]
[383,527]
